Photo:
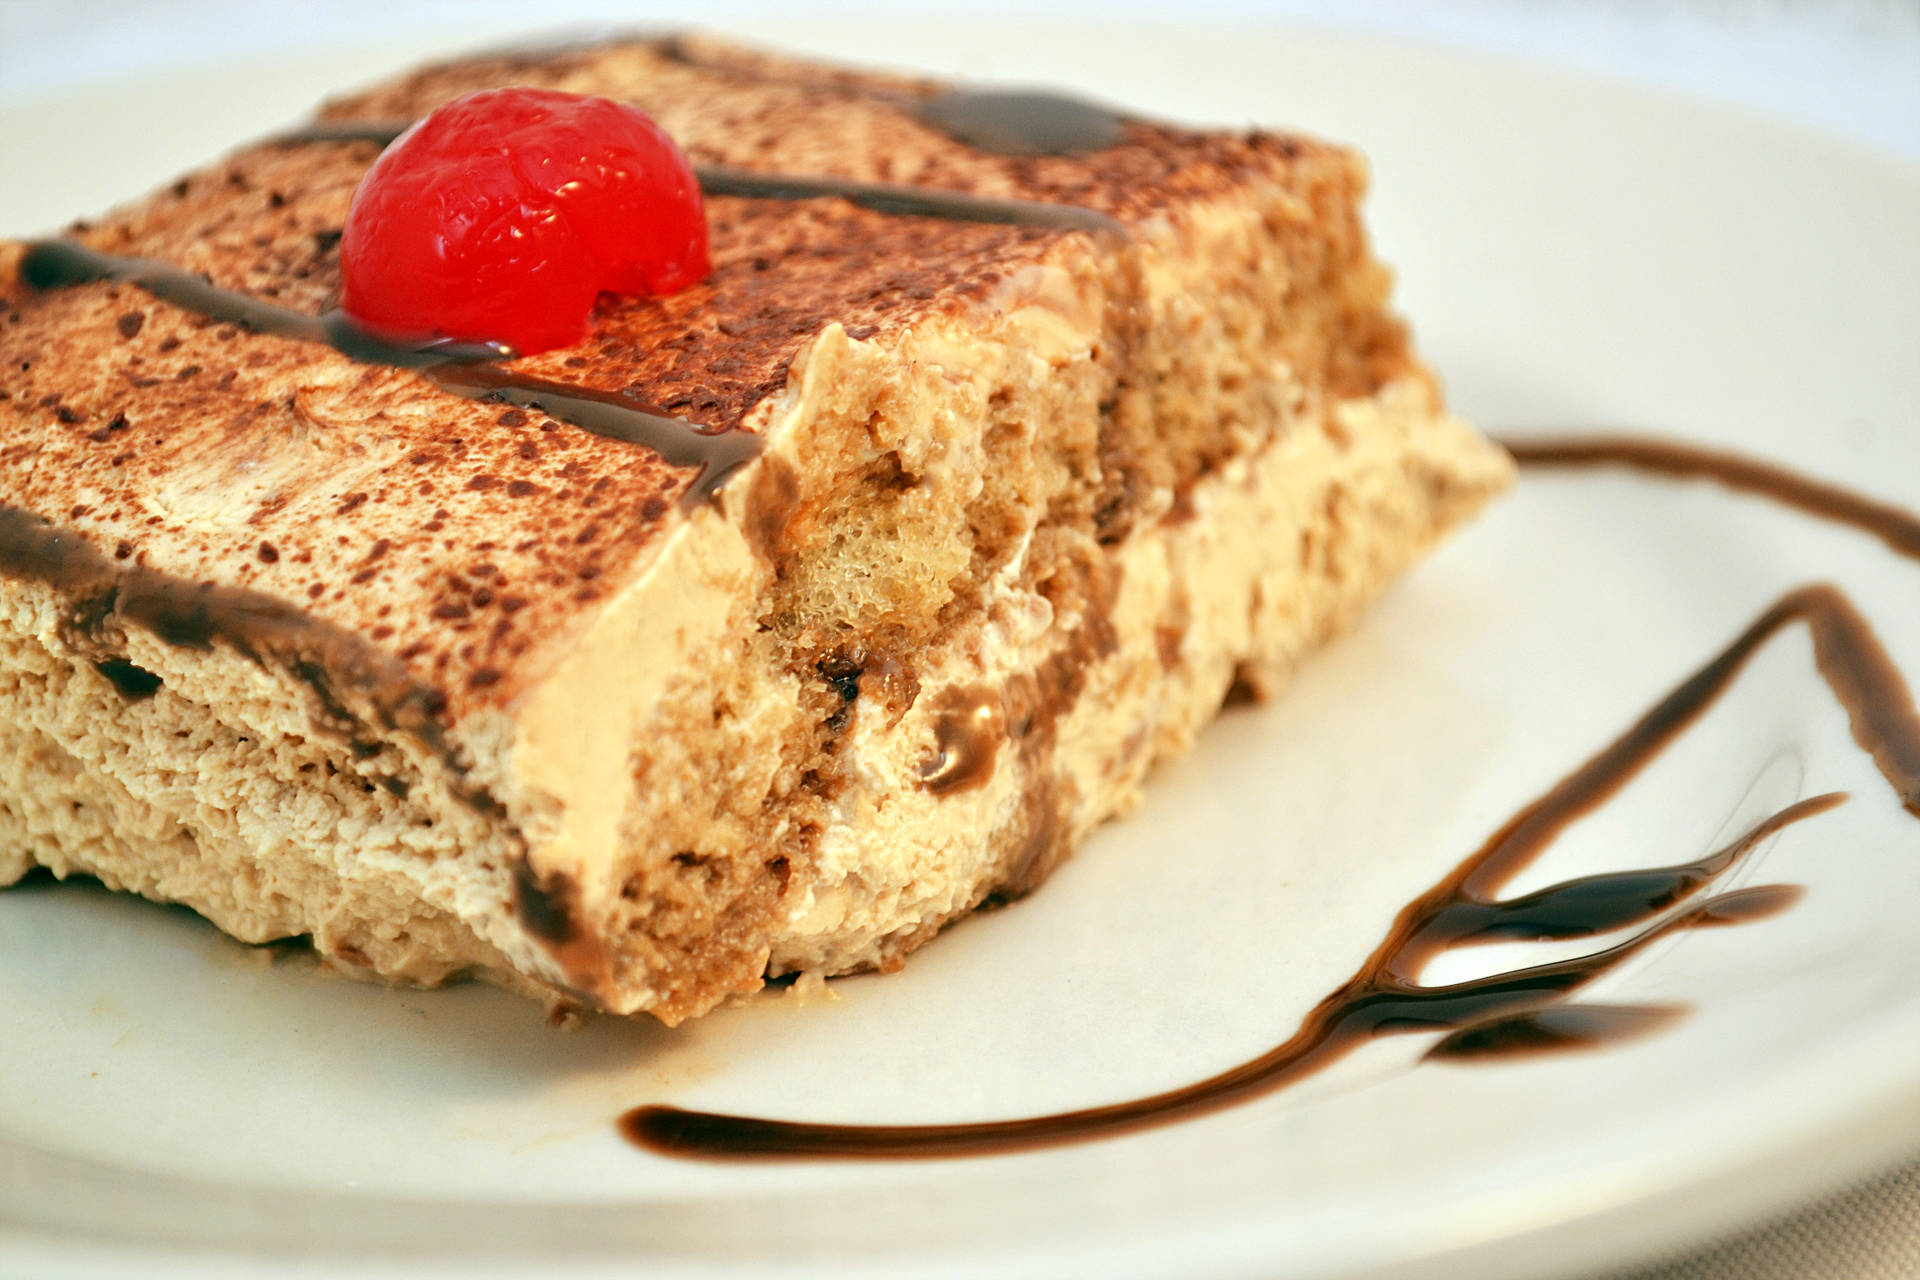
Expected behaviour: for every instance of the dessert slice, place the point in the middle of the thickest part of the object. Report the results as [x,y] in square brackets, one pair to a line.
[449,684]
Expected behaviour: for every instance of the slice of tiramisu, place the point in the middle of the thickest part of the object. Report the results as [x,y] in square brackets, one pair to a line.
[985,495]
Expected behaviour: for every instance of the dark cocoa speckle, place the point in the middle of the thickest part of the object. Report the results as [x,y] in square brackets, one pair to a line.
[130,323]
[100,435]
[268,553]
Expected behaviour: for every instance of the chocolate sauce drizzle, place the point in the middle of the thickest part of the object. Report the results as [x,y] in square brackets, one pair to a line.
[1527,1010]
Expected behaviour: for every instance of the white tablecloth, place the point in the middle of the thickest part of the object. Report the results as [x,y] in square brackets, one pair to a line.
[1870,1231]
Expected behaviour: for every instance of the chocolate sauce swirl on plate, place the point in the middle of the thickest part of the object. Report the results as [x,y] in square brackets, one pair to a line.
[1899,529]
[1526,1010]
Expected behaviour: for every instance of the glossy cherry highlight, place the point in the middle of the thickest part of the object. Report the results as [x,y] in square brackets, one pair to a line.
[503,215]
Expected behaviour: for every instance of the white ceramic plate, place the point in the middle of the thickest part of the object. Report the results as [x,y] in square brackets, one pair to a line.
[1574,255]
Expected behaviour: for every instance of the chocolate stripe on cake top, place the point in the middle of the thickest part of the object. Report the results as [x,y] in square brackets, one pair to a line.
[380,131]
[1021,122]
[458,367]
[59,264]
[895,199]
[717,453]
[1527,1010]
[905,201]
[1011,122]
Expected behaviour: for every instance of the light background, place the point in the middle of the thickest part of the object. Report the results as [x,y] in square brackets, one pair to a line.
[1850,66]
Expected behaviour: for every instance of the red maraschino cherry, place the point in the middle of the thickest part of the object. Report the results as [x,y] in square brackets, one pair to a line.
[503,215]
